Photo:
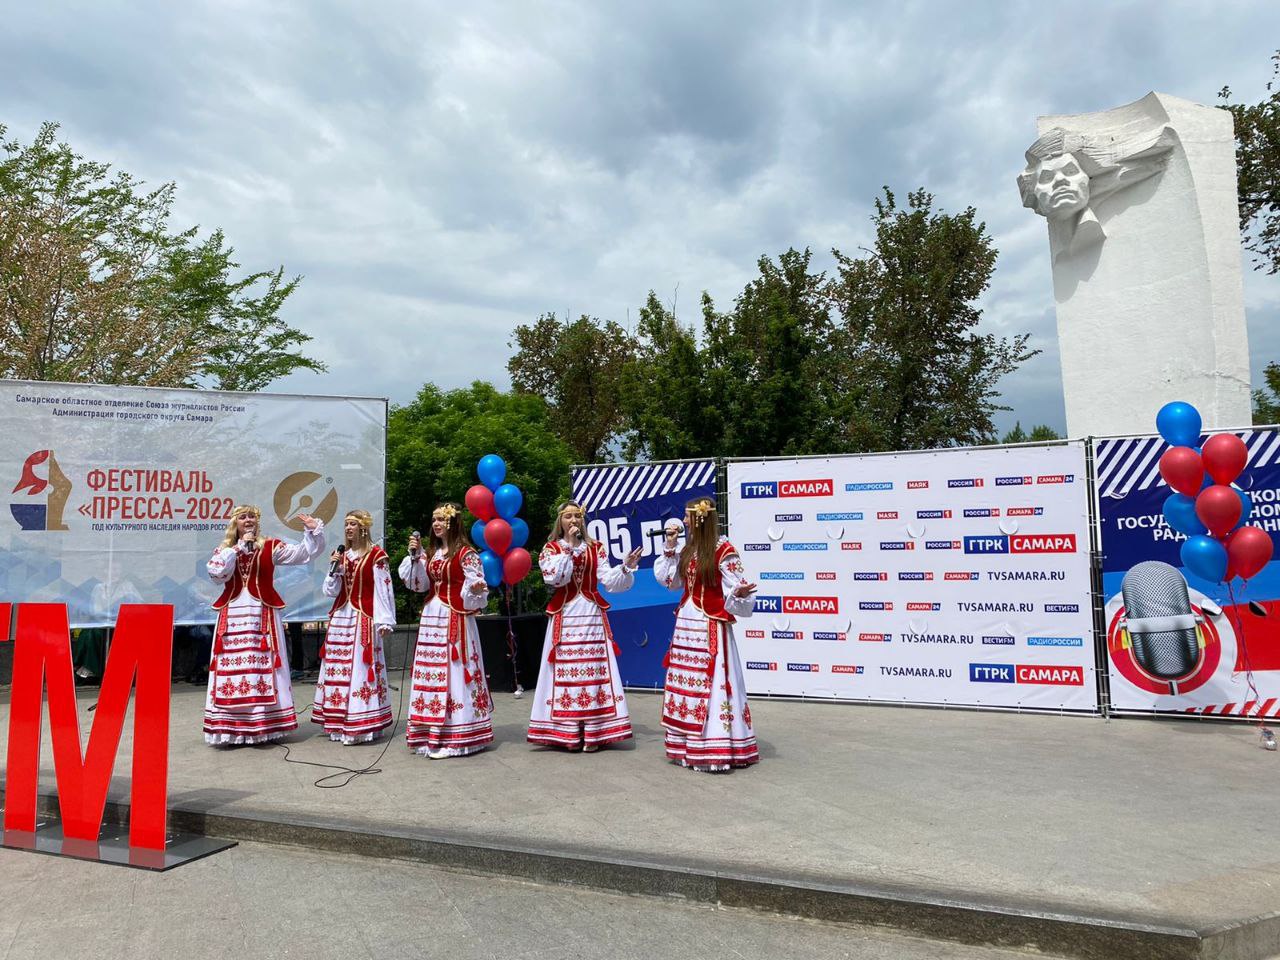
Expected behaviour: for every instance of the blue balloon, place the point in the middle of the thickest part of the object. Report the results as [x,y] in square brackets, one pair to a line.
[491,470]
[507,500]
[1179,423]
[492,564]
[519,532]
[1180,513]
[477,535]
[1206,558]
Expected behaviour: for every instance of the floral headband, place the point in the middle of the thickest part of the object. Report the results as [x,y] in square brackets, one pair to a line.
[447,512]
[246,510]
[700,511]
[366,522]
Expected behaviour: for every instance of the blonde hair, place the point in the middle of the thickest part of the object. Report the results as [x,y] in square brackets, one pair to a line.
[453,540]
[557,529]
[232,536]
[702,539]
[365,519]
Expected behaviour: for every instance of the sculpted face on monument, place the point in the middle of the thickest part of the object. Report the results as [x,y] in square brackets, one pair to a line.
[1061,187]
[1068,173]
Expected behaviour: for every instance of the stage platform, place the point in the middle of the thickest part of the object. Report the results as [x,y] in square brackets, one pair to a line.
[1079,836]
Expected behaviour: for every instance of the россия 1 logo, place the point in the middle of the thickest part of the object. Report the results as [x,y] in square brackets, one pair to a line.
[40,511]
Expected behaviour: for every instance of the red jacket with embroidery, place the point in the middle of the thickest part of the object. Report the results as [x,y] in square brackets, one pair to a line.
[581,582]
[708,598]
[361,581]
[447,581]
[259,578]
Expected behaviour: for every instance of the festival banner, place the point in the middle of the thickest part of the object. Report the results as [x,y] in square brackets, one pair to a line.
[120,494]
[626,506]
[938,577]
[1229,664]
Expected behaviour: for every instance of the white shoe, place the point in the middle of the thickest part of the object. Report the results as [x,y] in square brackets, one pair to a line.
[590,747]
[438,754]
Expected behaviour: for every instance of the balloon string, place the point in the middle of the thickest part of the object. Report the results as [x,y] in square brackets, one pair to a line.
[1244,655]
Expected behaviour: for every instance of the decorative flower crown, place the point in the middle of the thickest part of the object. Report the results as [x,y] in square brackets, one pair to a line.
[246,510]
[700,511]
[448,512]
[366,522]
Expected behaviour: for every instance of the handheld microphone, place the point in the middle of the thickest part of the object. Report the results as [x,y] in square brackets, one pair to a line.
[335,563]
[416,551]
[249,543]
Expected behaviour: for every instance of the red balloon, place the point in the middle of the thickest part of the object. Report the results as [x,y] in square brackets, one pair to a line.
[1224,456]
[1249,550]
[1218,508]
[1183,470]
[479,500]
[516,565]
[497,533]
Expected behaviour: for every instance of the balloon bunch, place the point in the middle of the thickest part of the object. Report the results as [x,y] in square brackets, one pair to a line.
[498,533]
[1205,507]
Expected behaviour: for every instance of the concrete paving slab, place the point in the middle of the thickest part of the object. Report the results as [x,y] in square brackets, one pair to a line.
[1160,830]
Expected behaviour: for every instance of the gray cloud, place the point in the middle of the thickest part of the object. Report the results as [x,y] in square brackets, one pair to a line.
[439,176]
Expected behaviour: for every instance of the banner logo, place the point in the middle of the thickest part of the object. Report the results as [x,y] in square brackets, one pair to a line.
[769,489]
[45,497]
[305,492]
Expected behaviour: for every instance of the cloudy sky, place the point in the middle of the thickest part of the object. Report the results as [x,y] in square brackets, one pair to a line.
[442,172]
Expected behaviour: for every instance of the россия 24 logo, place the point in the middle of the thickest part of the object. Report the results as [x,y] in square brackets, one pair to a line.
[45,497]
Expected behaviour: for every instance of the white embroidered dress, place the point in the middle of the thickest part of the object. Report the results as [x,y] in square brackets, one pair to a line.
[450,711]
[705,714]
[352,700]
[250,698]
[579,699]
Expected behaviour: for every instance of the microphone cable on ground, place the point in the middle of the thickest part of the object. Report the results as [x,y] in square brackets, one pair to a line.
[351,773]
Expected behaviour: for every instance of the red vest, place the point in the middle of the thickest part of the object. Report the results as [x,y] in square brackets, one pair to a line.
[447,580]
[583,581]
[708,598]
[259,578]
[361,580]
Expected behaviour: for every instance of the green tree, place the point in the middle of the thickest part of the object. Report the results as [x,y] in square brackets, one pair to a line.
[577,369]
[1043,432]
[768,361]
[1016,435]
[95,285]
[1266,402]
[435,442]
[663,392]
[1258,171]
[924,378]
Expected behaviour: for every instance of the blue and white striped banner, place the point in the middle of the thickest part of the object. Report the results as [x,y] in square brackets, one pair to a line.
[600,488]
[1126,464]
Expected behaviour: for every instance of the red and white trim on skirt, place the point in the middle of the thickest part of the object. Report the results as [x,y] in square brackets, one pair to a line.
[224,726]
[711,753]
[463,738]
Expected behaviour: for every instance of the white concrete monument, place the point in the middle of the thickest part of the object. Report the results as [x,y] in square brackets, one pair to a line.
[1145,247]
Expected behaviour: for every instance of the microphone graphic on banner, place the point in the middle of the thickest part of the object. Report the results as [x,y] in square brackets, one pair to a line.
[1161,626]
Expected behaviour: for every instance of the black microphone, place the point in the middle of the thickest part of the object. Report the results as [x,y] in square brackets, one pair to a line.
[336,562]
[416,550]
[248,543]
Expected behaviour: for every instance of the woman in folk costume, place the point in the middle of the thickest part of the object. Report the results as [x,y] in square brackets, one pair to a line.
[250,698]
[450,714]
[579,702]
[704,709]
[352,703]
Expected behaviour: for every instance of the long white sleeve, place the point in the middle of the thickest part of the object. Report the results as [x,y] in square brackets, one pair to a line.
[384,600]
[614,579]
[332,583]
[312,544]
[732,573]
[556,563]
[473,572]
[222,564]
[413,573]
[665,568]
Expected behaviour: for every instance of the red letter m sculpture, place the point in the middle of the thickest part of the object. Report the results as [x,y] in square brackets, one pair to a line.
[141,646]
